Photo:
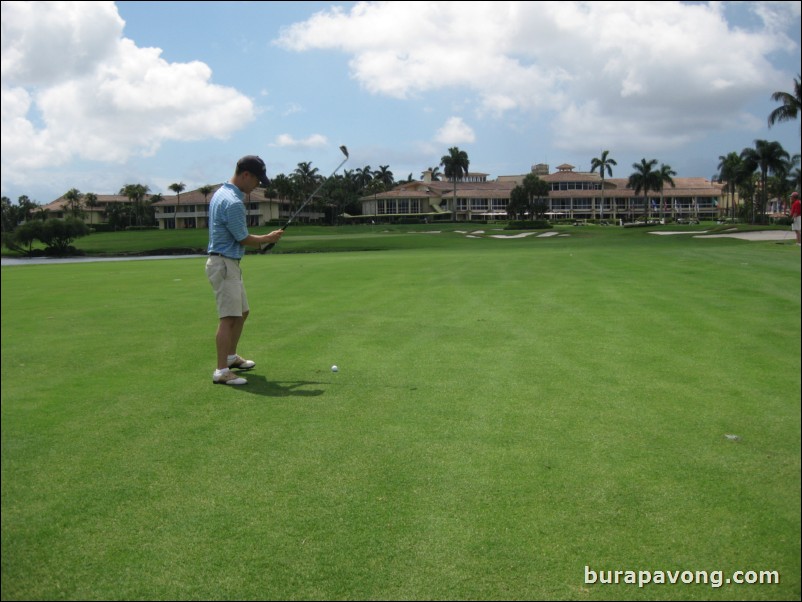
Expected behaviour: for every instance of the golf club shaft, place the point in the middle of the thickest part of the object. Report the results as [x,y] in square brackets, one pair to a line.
[309,198]
[269,246]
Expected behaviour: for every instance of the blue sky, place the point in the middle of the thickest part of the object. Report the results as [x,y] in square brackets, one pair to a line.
[97,95]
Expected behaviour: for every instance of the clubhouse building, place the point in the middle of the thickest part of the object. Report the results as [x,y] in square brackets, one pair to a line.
[572,196]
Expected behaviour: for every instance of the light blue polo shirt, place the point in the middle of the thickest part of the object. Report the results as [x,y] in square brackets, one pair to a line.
[227,222]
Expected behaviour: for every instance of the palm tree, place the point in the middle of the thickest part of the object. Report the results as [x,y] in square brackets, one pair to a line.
[73,197]
[535,191]
[796,175]
[790,107]
[518,204]
[782,183]
[603,164]
[305,179]
[41,213]
[136,194]
[90,200]
[645,179]
[730,170]
[664,177]
[435,171]
[177,188]
[206,190]
[767,157]
[363,176]
[282,186]
[116,214]
[8,215]
[26,207]
[15,215]
[306,176]
[385,176]
[455,167]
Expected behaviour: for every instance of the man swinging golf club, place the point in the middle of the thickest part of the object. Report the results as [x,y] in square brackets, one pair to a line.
[228,236]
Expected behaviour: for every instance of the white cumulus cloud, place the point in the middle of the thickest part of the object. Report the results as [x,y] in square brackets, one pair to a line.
[633,74]
[313,141]
[455,131]
[74,87]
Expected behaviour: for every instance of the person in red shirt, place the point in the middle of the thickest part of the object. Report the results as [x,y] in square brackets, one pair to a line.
[796,210]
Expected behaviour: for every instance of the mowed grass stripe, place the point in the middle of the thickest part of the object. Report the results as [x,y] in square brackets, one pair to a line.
[506,412]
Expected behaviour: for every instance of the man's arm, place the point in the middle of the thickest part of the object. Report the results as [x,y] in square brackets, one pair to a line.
[257,240]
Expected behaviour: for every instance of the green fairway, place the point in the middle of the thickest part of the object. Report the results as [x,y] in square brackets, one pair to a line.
[507,415]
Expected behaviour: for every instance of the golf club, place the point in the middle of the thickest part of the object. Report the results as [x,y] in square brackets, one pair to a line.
[265,248]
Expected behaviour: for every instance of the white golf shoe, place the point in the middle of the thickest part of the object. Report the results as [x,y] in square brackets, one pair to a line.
[229,378]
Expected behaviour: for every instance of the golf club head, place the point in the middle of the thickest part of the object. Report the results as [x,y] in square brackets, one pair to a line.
[344,150]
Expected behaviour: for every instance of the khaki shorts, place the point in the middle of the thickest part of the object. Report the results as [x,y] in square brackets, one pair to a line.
[225,276]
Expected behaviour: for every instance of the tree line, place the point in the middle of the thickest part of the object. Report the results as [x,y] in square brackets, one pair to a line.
[756,174]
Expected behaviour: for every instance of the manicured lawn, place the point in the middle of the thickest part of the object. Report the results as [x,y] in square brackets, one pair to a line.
[506,414]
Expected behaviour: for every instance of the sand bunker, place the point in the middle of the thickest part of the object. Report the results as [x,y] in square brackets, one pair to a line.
[761,235]
[758,235]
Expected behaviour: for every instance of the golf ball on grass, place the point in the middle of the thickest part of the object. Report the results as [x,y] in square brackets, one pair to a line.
[334,368]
